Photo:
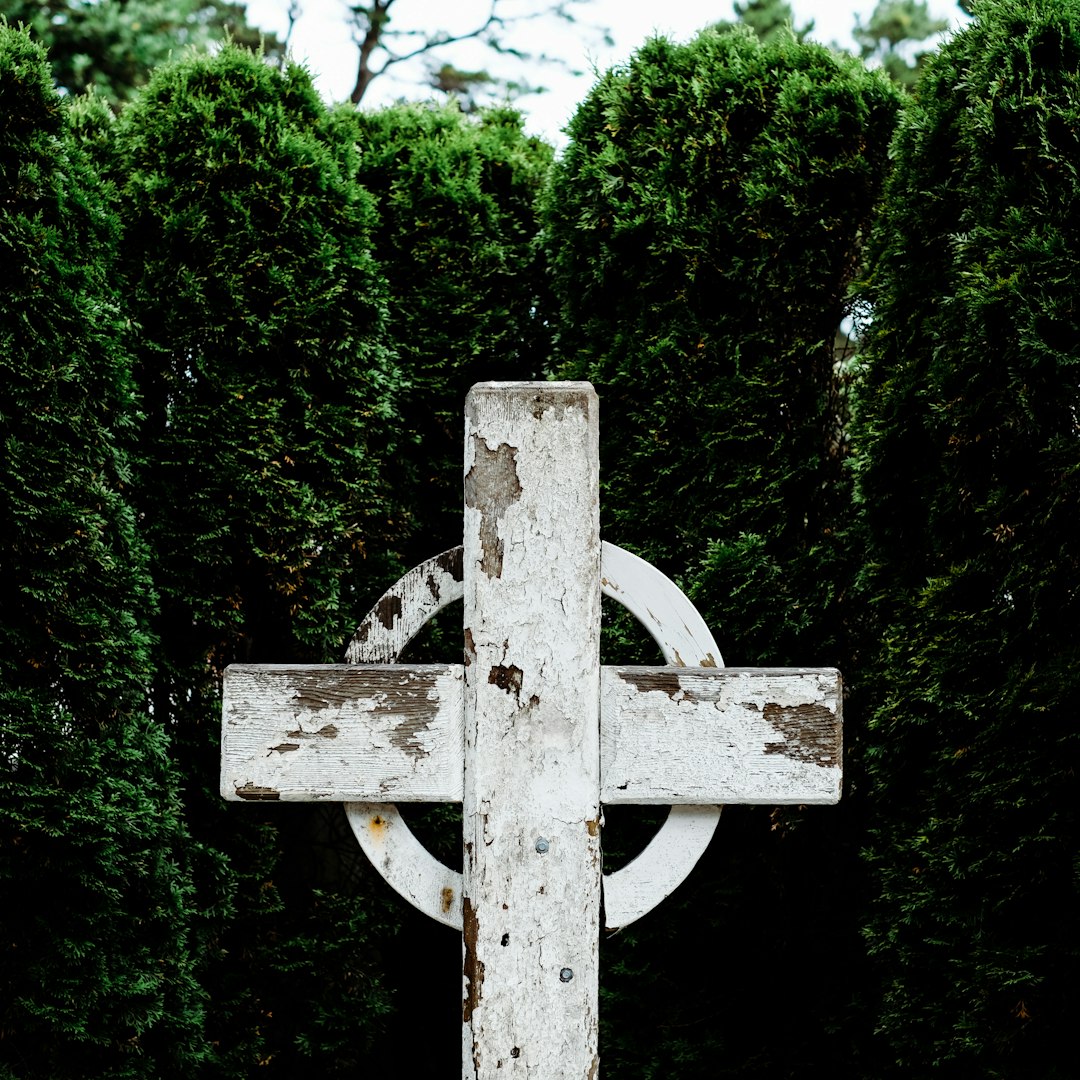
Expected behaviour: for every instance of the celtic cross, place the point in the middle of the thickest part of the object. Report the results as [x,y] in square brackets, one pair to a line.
[531,734]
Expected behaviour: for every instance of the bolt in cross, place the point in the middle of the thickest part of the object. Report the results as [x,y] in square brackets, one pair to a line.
[531,734]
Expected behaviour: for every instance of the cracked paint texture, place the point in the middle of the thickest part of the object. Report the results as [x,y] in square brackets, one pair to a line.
[532,602]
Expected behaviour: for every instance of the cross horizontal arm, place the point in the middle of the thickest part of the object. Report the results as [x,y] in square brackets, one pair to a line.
[668,735]
[693,736]
[343,733]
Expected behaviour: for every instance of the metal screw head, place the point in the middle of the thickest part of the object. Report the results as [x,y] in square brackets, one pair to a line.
[541,845]
[565,975]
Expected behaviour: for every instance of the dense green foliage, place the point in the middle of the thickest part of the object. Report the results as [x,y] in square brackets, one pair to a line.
[114,45]
[267,392]
[457,222]
[268,437]
[703,226]
[236,331]
[96,966]
[968,482]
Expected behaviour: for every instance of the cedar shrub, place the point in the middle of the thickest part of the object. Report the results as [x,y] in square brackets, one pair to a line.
[457,223]
[703,228]
[97,964]
[969,483]
[268,396]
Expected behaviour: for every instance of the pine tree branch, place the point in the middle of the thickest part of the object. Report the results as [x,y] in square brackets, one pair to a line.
[376,39]
[376,34]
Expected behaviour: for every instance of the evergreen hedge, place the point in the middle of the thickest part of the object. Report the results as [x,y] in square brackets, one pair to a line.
[455,232]
[96,953]
[267,389]
[969,483]
[457,223]
[227,427]
[703,228]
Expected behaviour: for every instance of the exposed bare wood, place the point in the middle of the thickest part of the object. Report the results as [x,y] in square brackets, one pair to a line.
[342,732]
[405,864]
[401,612]
[678,630]
[736,735]
[398,615]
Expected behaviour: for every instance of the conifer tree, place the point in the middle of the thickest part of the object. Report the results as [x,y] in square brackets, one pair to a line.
[703,227]
[455,237]
[770,18]
[267,391]
[968,482]
[113,46]
[890,34]
[96,954]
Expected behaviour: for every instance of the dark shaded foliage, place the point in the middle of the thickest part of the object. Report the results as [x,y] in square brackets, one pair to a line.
[703,229]
[457,223]
[968,483]
[267,391]
[96,958]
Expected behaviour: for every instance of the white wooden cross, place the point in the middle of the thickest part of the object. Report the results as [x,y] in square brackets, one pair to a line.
[531,734]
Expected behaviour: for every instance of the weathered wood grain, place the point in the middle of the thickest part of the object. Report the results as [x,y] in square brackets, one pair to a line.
[381,831]
[731,735]
[342,732]
[401,612]
[679,632]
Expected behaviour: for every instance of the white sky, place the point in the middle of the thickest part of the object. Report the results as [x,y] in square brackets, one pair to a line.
[321,40]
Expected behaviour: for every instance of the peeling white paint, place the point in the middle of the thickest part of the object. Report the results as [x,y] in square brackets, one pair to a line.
[675,625]
[694,735]
[401,612]
[540,743]
[342,732]
[672,621]
[532,607]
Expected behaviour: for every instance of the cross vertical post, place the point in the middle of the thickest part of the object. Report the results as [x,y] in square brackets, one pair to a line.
[531,801]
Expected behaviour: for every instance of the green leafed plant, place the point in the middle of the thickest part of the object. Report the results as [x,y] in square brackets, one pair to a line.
[968,471]
[96,899]
[268,399]
[703,228]
[455,237]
